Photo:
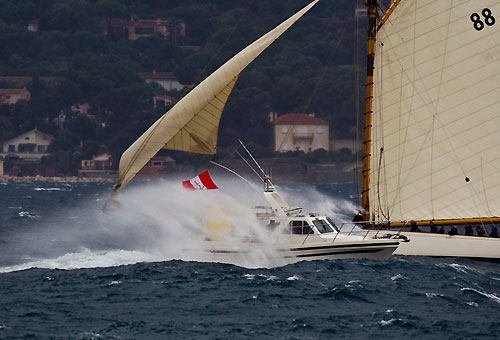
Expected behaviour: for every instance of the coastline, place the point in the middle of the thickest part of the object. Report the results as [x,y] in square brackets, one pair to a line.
[38,178]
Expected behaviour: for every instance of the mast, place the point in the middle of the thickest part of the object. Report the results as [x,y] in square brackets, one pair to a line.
[372,26]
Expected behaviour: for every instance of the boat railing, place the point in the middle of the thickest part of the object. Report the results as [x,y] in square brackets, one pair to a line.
[364,228]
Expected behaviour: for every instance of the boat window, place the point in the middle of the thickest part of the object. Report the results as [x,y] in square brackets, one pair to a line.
[322,226]
[299,228]
[307,229]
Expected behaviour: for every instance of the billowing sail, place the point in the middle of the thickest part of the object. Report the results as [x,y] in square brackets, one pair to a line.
[436,112]
[192,124]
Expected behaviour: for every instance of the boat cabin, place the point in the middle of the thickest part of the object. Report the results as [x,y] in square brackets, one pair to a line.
[303,225]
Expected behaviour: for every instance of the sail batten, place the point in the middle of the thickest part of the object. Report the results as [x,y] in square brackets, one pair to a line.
[192,124]
[436,107]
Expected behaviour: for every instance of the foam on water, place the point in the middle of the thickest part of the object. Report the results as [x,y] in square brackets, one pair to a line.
[26,214]
[86,259]
[179,299]
[492,297]
[155,222]
[50,189]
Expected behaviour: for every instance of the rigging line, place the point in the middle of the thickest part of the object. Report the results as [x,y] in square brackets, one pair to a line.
[357,100]
[285,137]
[316,86]
[325,68]
[248,152]
[219,50]
[484,188]
[404,140]
[445,128]
[378,187]
[379,134]
[382,149]
[431,109]
[403,134]
[435,117]
[237,174]
[251,167]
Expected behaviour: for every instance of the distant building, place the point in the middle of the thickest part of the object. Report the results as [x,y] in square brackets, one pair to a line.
[166,80]
[33,26]
[77,109]
[156,165]
[297,131]
[99,166]
[24,80]
[134,29]
[12,96]
[82,108]
[163,101]
[31,145]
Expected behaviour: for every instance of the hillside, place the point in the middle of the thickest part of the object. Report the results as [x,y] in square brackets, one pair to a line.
[311,69]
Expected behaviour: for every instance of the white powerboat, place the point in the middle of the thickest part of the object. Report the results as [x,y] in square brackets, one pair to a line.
[291,236]
[192,126]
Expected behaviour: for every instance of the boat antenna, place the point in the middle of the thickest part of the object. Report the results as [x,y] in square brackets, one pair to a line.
[268,185]
[251,167]
[237,174]
[248,152]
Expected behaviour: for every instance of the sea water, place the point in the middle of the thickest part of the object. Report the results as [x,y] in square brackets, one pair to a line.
[68,270]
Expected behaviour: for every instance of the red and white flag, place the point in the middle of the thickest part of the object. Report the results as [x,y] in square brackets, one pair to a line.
[201,182]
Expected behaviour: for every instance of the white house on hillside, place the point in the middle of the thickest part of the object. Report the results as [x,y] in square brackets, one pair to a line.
[166,80]
[298,131]
[12,96]
[30,145]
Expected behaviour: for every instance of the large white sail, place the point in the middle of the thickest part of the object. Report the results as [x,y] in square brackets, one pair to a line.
[192,124]
[436,123]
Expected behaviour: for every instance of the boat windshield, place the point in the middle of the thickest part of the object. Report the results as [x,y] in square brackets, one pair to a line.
[323,226]
[333,225]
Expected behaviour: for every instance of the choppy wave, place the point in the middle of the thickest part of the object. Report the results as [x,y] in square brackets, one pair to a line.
[76,272]
[86,259]
[26,214]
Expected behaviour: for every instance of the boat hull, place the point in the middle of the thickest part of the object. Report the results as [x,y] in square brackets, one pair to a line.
[256,254]
[430,244]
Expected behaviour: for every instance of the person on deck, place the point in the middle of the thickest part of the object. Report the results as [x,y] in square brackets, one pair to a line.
[468,230]
[441,230]
[494,231]
[453,231]
[434,229]
[480,231]
[414,226]
[358,217]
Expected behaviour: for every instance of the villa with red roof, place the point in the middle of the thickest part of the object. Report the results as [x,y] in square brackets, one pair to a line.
[299,131]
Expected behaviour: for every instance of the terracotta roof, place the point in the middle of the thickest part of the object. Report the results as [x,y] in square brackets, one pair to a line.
[26,133]
[299,119]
